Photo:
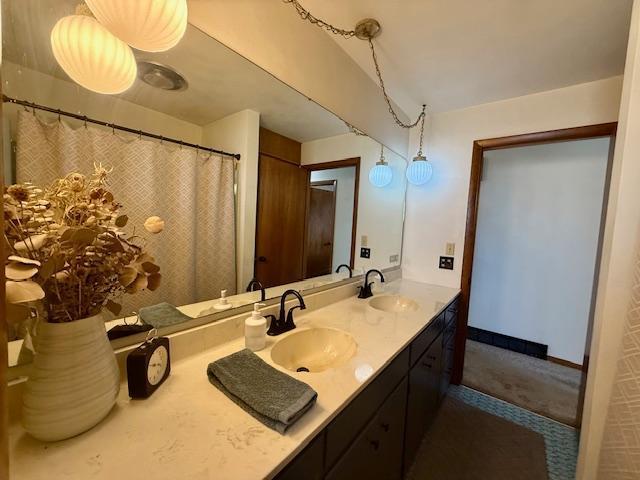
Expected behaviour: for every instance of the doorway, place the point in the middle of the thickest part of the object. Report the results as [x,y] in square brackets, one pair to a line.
[518,224]
[321,219]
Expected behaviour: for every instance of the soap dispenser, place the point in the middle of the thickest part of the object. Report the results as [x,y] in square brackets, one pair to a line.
[255,329]
[223,303]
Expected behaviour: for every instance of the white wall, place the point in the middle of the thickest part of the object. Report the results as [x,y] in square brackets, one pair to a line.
[25,84]
[622,239]
[240,133]
[436,212]
[380,210]
[539,219]
[346,181]
[272,35]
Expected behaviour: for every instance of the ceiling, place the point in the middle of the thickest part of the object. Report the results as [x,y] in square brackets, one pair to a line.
[457,53]
[221,82]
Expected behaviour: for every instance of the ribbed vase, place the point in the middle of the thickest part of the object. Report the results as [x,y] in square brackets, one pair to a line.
[74,381]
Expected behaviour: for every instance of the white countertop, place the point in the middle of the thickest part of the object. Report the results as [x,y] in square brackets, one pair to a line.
[189,430]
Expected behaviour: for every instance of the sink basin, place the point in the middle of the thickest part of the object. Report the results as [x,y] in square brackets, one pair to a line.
[393,304]
[314,350]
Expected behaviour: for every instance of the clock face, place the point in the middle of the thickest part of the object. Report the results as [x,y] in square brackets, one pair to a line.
[157,365]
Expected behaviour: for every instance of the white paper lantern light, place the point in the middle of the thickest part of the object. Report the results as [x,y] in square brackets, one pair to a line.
[92,56]
[149,25]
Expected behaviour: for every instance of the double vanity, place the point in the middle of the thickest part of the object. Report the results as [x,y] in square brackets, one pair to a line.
[380,367]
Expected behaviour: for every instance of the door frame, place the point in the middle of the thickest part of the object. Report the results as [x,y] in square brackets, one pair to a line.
[349,162]
[477,158]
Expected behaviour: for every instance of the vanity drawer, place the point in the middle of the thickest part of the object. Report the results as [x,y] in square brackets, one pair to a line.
[426,338]
[309,464]
[342,431]
[377,452]
[451,313]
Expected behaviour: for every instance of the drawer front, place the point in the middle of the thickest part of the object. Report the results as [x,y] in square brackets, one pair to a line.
[377,452]
[451,312]
[346,427]
[309,464]
[423,399]
[426,338]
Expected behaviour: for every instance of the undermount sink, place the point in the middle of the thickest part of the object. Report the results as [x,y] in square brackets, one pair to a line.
[314,350]
[393,304]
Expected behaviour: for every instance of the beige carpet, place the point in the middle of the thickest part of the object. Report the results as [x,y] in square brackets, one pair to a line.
[465,443]
[537,385]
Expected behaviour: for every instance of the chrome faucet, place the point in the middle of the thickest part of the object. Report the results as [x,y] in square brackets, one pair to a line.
[365,290]
[280,325]
[347,267]
[256,283]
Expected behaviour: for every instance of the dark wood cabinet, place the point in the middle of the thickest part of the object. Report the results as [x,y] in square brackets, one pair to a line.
[377,452]
[378,434]
[423,399]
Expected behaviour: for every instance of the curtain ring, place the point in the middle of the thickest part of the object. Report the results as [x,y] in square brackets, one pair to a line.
[139,134]
[85,122]
[180,144]
[161,139]
[59,118]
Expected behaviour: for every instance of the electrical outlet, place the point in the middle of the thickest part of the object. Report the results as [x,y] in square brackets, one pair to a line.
[393,258]
[365,253]
[364,241]
[451,249]
[446,263]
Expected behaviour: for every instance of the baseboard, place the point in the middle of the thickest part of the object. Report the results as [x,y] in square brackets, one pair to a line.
[566,363]
[514,344]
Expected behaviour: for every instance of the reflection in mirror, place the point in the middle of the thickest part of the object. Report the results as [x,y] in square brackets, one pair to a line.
[295,206]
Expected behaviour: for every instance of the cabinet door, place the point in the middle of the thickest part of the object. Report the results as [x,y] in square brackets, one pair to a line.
[423,399]
[308,464]
[377,452]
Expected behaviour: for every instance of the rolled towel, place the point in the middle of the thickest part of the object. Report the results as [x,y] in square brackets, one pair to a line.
[162,315]
[274,398]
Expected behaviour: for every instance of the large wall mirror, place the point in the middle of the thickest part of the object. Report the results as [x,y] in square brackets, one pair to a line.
[295,206]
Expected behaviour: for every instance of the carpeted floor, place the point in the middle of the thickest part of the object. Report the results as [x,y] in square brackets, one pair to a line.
[466,443]
[534,384]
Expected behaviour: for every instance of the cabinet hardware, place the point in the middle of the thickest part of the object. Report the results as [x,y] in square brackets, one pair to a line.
[375,444]
[428,365]
[385,427]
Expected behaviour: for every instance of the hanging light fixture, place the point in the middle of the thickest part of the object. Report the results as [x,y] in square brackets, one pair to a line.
[91,55]
[419,171]
[381,174]
[149,25]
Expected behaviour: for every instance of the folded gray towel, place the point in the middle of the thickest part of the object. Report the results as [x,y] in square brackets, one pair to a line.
[162,315]
[274,398]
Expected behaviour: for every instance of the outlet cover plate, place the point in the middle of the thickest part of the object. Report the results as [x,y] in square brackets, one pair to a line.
[446,263]
[365,252]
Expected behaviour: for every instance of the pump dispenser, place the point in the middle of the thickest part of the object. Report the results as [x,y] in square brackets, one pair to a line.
[223,302]
[255,329]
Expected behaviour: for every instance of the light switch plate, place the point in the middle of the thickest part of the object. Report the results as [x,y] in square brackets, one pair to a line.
[451,249]
[364,241]
[393,258]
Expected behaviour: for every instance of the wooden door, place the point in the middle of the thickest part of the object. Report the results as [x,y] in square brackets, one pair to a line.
[320,228]
[282,195]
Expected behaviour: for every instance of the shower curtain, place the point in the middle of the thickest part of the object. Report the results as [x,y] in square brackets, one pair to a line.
[620,450]
[192,191]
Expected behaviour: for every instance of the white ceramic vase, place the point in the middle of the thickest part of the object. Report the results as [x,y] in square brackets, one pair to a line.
[74,380]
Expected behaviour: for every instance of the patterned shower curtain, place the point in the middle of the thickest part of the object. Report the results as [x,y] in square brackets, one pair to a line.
[192,191]
[620,451]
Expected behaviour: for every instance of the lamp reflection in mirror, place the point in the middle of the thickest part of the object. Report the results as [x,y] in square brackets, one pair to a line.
[92,56]
[419,170]
[381,174]
[149,25]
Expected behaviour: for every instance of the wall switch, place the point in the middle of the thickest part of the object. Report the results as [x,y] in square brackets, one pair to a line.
[393,258]
[446,263]
[451,249]
[364,241]
[365,253]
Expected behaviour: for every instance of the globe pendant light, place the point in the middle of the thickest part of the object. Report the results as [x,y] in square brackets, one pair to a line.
[381,175]
[92,56]
[149,25]
[419,171]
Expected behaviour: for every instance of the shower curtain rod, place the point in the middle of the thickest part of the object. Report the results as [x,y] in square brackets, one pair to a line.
[114,126]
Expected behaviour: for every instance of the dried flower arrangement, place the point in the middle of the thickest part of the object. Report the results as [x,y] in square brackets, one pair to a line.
[67,248]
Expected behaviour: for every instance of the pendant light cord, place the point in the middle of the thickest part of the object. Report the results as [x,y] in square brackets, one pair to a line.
[306,15]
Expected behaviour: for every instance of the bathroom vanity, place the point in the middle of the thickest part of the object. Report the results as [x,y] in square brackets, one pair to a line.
[371,413]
